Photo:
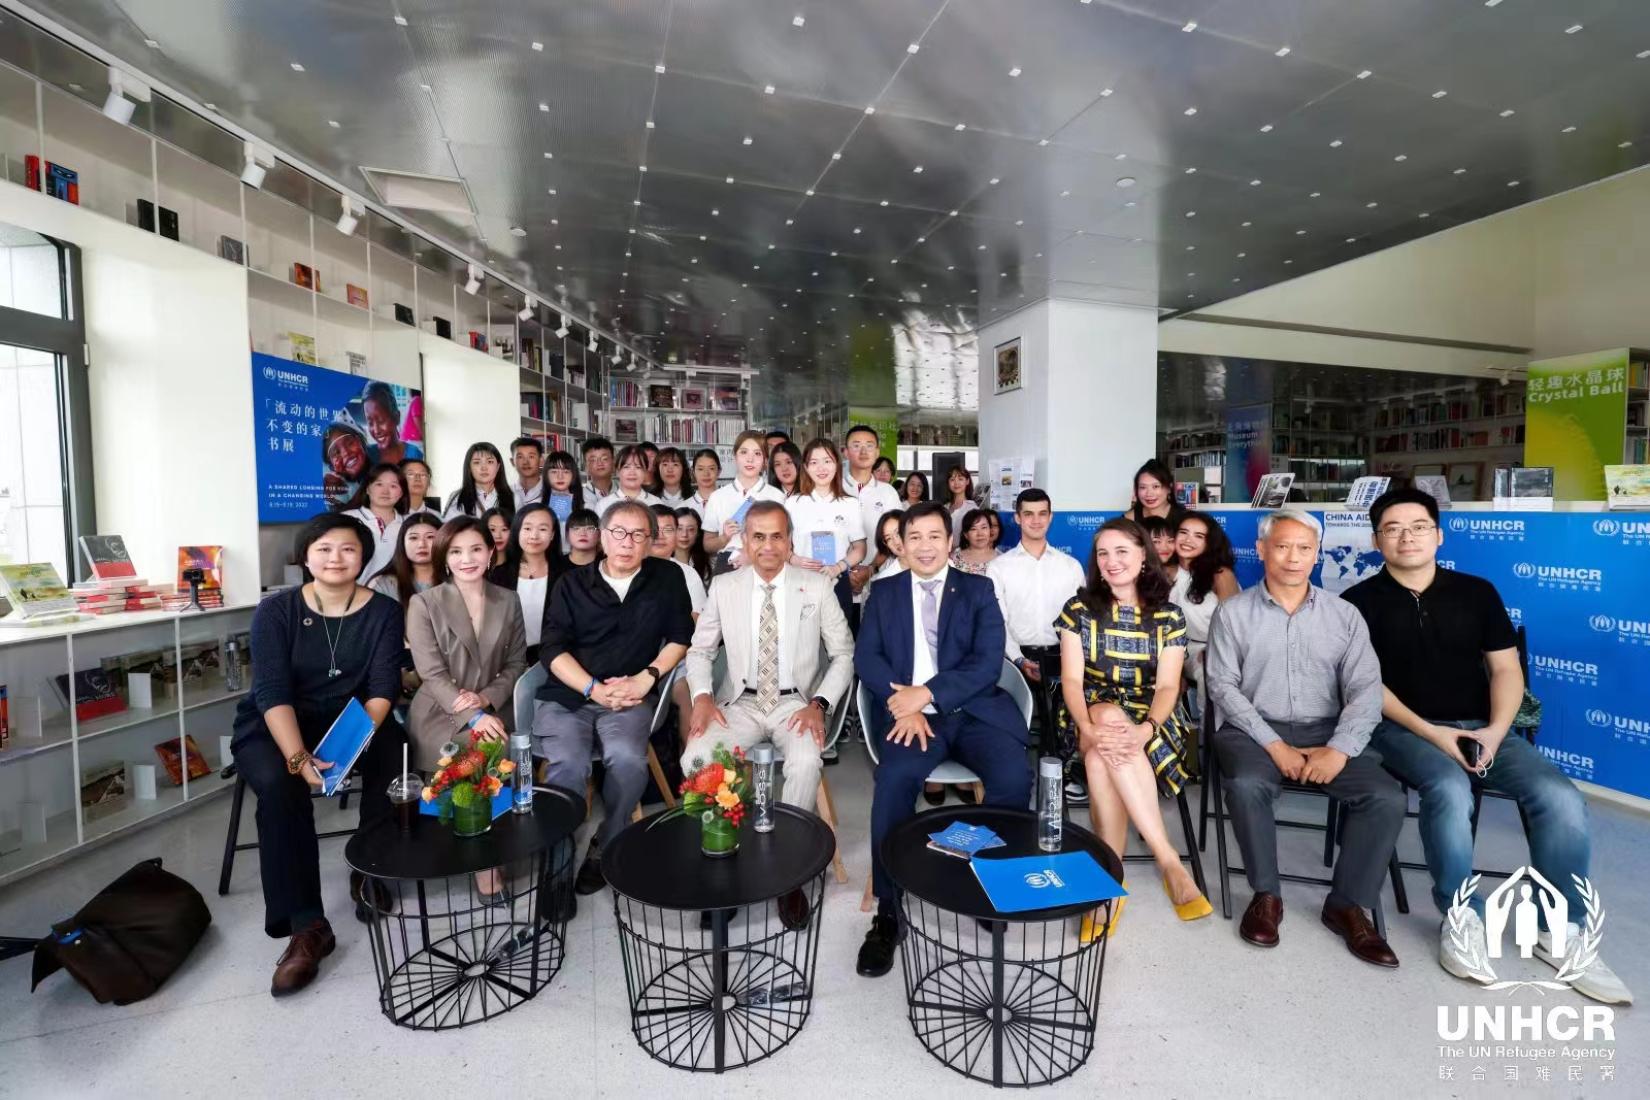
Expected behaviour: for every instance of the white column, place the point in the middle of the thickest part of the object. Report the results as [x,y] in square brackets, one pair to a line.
[1087,406]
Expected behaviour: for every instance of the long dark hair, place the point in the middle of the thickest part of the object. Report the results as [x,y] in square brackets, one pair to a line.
[444,541]
[507,572]
[563,460]
[1151,586]
[401,566]
[672,454]
[805,482]
[698,557]
[360,500]
[1157,470]
[467,498]
[487,522]
[968,493]
[788,449]
[914,475]
[1217,555]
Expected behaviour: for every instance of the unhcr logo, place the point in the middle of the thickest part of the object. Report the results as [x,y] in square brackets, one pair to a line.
[1488,528]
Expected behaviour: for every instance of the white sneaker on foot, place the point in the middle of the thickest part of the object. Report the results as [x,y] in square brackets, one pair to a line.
[1598,981]
[1465,954]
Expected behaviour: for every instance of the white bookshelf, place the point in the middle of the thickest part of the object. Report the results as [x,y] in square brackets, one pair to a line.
[708,406]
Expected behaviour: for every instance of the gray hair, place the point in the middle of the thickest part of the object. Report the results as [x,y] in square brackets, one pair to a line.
[1290,515]
[636,507]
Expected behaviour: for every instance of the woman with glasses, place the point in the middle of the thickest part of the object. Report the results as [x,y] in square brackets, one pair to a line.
[419,490]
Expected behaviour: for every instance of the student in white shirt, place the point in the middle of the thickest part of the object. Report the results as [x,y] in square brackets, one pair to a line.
[784,467]
[483,485]
[664,546]
[631,483]
[381,504]
[861,447]
[598,468]
[827,528]
[707,468]
[417,473]
[959,500]
[563,493]
[890,549]
[527,456]
[725,511]
[670,483]
[526,568]
[1033,582]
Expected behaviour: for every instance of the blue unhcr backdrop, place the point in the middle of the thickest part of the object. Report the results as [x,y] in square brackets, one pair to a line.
[1578,582]
[320,431]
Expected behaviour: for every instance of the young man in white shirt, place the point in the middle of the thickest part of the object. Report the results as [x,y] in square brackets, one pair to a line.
[725,512]
[861,448]
[597,456]
[527,456]
[1033,581]
[664,546]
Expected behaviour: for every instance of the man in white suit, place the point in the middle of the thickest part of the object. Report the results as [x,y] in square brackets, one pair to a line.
[774,619]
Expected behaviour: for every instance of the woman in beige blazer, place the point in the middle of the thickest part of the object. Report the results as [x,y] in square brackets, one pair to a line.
[468,643]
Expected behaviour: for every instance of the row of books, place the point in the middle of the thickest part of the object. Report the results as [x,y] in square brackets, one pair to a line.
[676,429]
[1453,411]
[536,406]
[1317,448]
[1200,458]
[625,394]
[1447,439]
[1638,375]
[1186,440]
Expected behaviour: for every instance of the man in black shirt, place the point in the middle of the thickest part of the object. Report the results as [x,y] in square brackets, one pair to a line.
[613,630]
[1452,685]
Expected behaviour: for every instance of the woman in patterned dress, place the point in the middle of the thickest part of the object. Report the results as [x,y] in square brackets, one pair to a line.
[1121,649]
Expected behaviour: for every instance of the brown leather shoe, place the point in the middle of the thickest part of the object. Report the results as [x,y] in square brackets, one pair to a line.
[1261,920]
[301,960]
[1352,924]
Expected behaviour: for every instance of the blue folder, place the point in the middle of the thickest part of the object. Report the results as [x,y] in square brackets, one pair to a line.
[501,804]
[738,517]
[1044,881]
[342,746]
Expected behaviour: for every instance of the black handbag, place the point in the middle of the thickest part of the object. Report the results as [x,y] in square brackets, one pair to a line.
[131,937]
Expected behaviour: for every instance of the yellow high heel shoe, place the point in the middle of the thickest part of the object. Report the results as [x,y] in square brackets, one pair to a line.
[1091,929]
[1196,909]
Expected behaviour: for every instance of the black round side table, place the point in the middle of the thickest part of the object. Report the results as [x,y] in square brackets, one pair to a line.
[1004,998]
[448,955]
[719,953]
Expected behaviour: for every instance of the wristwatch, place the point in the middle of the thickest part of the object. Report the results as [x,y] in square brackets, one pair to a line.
[655,673]
[823,704]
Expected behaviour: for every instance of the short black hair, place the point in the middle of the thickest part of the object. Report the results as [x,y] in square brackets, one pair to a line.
[862,428]
[919,511]
[583,517]
[780,433]
[527,441]
[649,445]
[595,443]
[663,511]
[324,524]
[1032,496]
[1157,525]
[1406,495]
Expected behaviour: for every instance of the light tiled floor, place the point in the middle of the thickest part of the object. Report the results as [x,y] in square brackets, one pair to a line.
[1187,1010]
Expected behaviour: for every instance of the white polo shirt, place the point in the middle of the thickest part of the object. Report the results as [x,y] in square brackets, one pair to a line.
[642,497]
[818,515]
[728,499]
[1032,591]
[387,534]
[526,496]
[875,499]
[695,586]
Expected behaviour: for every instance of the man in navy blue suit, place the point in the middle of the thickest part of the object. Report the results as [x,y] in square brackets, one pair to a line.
[930,649]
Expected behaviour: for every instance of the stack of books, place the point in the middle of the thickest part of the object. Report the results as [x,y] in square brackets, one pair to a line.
[961,840]
[209,560]
[110,597]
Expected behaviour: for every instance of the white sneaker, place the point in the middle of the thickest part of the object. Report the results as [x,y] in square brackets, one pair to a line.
[1469,960]
[1598,981]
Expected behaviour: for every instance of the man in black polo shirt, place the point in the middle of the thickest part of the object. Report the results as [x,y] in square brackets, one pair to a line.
[1452,684]
[612,631]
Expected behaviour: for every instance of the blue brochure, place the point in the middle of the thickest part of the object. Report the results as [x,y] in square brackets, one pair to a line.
[501,804]
[962,840]
[822,547]
[343,744]
[561,506]
[1044,881]
[739,516]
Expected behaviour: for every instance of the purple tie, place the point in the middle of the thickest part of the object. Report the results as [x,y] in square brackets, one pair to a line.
[931,619]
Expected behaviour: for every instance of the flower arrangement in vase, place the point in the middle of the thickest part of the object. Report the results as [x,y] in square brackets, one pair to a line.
[466,779]
[717,793]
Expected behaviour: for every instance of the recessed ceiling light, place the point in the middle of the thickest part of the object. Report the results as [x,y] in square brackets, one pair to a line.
[660,68]
[960,127]
[544,106]
[1282,51]
[650,124]
[1371,205]
[1267,129]
[552,191]
[981,248]
[836,156]
[1365,74]
[856,230]
[297,67]
[728,179]
[426,87]
[870,110]
[1642,54]
[1572,28]
[1191,248]
[1300,232]
[790,221]
[1044,141]
[1568,130]
[917,171]
[635,202]
[401,20]
[1514,183]
[1065,194]
[1424,214]
[1401,157]
[1105,92]
[1190,111]
[1241,255]
[641,167]
[1191,171]
[1246,225]
[809,192]
[538,47]
[715,213]
[1491,3]
[797,20]
[1289,261]
[1439,94]
[746,140]
[1022,221]
[333,123]
[953,213]
[151,43]
[994,181]
[1350,240]
[1336,144]
[884,202]
[1254,183]
[1191,213]
[1190,27]
[549,155]
[922,240]
[1459,172]
[1015,71]
[1623,145]
[1508,113]
[912,48]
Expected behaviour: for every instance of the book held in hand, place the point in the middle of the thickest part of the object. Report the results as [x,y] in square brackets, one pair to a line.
[343,745]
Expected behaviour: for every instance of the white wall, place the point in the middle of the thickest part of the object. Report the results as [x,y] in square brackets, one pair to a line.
[469,397]
[1560,276]
[1087,409]
[171,391]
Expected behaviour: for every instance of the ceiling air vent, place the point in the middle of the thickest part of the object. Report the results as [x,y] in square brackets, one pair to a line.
[415,191]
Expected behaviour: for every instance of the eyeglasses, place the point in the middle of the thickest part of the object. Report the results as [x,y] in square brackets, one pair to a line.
[1413,530]
[621,535]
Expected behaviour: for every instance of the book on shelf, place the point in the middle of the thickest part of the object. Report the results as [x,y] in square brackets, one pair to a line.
[1525,488]
[661,396]
[1185,493]
[1364,492]
[1627,487]
[92,695]
[208,559]
[1273,491]
[694,398]
[627,429]
[356,362]
[108,558]
[104,791]
[303,348]
[1638,374]
[35,591]
[623,394]
[231,249]
[726,398]
[305,276]
[173,761]
[355,295]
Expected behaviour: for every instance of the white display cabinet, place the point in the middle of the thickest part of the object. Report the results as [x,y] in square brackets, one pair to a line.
[19,123]
[116,163]
[207,203]
[56,764]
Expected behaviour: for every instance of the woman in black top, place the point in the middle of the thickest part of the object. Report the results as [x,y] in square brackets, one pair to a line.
[314,648]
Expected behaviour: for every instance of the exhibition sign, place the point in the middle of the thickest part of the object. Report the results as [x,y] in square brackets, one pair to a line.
[320,431]
[1576,581]
[1575,411]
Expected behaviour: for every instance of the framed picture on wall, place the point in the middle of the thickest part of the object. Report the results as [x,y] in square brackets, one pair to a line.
[1008,366]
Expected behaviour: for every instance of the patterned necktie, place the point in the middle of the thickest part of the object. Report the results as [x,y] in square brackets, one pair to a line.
[767,653]
[931,619]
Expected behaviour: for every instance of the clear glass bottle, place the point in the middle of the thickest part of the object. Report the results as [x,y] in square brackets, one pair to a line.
[521,779]
[762,788]
[1051,804]
[232,679]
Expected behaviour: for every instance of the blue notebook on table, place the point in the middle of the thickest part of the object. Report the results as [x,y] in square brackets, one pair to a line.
[346,739]
[1044,881]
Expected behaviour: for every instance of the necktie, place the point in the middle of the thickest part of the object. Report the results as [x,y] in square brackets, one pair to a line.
[931,619]
[767,653]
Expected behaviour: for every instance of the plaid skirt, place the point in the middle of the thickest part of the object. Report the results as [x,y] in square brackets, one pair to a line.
[1166,750]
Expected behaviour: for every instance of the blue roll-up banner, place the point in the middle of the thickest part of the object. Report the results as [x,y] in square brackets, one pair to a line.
[320,431]
[1578,582]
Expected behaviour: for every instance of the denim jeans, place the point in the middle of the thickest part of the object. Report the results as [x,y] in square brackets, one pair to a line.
[1554,812]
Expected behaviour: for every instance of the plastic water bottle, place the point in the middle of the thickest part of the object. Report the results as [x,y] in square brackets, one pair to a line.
[1051,804]
[762,788]
[521,755]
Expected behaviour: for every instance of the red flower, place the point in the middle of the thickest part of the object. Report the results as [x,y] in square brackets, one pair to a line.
[707,779]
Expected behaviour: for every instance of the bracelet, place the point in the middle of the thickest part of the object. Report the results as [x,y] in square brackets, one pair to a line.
[590,688]
[295,763]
